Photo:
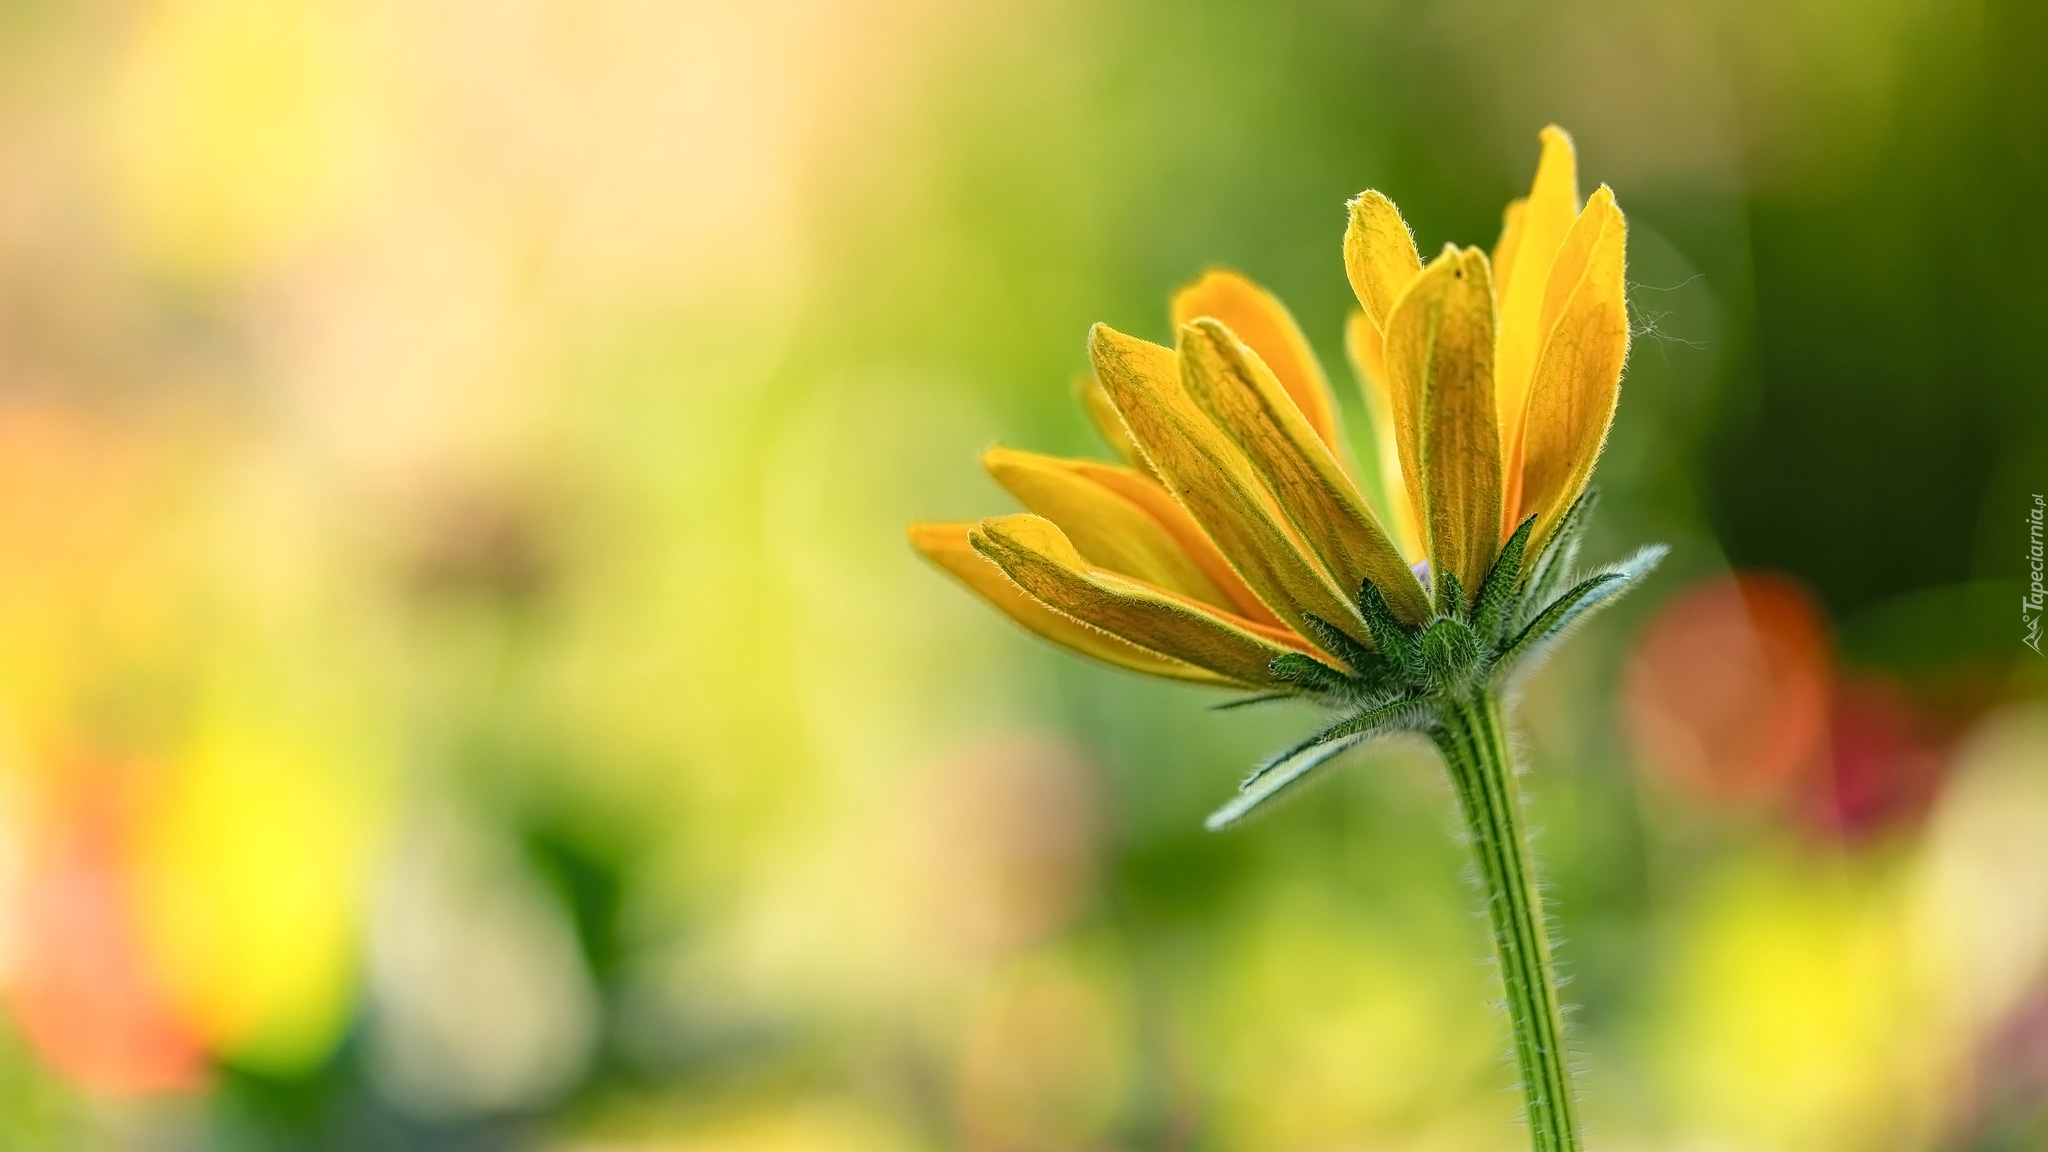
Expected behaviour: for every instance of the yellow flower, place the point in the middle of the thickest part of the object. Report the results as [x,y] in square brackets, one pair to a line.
[1234,545]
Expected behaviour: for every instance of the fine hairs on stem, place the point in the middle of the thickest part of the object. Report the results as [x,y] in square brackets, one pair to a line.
[1473,741]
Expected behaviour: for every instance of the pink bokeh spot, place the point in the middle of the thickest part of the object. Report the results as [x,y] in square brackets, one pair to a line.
[1884,765]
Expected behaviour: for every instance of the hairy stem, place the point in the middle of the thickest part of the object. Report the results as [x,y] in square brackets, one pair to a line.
[1474,746]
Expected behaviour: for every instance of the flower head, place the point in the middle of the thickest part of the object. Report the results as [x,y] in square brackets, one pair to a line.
[1237,545]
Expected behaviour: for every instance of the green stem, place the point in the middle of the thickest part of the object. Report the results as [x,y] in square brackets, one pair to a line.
[1474,746]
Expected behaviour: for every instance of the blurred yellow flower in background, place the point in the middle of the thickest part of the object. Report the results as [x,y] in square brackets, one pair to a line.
[251,876]
[240,131]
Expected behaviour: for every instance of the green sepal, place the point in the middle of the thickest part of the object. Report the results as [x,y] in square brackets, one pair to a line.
[1245,803]
[1389,635]
[1450,597]
[1341,644]
[1558,553]
[1293,766]
[1248,701]
[1497,591]
[1313,676]
[1574,606]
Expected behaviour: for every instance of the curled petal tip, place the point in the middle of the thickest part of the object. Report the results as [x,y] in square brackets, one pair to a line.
[1207,329]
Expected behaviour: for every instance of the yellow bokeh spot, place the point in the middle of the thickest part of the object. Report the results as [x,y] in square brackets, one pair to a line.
[791,1126]
[1797,1017]
[1340,1030]
[251,884]
[237,130]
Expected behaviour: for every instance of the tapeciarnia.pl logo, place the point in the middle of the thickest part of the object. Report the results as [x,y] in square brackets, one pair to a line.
[2030,606]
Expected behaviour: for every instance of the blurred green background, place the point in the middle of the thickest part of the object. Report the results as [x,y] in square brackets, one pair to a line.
[463,684]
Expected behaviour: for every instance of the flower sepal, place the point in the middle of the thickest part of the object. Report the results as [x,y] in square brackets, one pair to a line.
[1416,675]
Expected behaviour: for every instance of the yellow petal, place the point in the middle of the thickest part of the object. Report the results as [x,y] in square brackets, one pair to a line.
[1439,353]
[1505,248]
[947,546]
[1535,234]
[1108,529]
[1240,393]
[1367,349]
[1578,380]
[1598,230]
[1032,551]
[1263,323]
[1379,255]
[1108,424]
[1144,490]
[1210,477]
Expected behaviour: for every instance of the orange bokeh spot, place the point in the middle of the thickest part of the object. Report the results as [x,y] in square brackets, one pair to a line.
[1727,693]
[81,989]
